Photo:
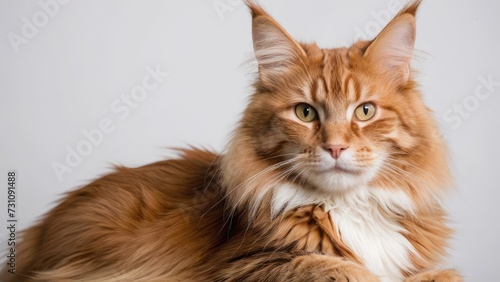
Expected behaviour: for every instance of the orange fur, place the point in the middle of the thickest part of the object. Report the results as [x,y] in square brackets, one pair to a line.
[263,211]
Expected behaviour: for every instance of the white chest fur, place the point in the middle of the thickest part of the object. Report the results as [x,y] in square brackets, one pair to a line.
[366,220]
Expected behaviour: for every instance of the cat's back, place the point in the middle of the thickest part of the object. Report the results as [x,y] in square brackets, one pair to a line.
[131,197]
[136,216]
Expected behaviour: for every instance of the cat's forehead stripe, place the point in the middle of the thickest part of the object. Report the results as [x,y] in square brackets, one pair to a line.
[351,91]
[311,92]
[321,91]
[358,89]
[347,83]
[308,93]
[339,77]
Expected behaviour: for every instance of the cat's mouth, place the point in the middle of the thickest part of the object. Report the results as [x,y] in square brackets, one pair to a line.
[339,169]
[342,170]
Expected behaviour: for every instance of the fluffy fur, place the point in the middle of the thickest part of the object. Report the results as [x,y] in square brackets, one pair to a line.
[335,198]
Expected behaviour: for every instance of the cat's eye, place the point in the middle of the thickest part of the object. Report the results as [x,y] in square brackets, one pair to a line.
[306,112]
[365,111]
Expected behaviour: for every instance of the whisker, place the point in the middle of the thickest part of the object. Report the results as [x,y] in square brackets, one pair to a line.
[270,168]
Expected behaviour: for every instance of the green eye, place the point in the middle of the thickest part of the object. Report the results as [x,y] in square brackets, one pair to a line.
[306,112]
[365,111]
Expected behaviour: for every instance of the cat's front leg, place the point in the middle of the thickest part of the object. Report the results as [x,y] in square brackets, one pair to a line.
[286,267]
[448,275]
[316,267]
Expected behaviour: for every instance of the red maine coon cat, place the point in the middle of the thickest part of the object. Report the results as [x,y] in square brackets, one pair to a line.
[334,173]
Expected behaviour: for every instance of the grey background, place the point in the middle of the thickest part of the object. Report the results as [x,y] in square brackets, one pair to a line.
[65,78]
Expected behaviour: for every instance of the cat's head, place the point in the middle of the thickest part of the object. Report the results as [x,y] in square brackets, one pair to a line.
[339,118]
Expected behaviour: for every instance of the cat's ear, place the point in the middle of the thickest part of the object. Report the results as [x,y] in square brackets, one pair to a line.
[391,51]
[275,50]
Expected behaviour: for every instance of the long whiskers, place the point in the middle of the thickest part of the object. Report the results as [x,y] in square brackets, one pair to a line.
[402,174]
[251,179]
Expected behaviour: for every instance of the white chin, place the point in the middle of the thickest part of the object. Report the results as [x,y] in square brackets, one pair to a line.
[338,181]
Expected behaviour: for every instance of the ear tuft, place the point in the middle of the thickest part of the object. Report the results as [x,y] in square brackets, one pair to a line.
[411,8]
[255,9]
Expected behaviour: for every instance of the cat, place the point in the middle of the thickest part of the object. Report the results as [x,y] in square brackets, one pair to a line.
[335,173]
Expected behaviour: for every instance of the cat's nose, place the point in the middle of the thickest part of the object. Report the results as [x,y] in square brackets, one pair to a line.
[336,150]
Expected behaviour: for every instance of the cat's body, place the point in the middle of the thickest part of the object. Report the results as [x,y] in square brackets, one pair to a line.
[334,174]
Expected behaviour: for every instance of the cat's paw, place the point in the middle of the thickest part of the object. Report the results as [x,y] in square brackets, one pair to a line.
[448,275]
[351,272]
[328,269]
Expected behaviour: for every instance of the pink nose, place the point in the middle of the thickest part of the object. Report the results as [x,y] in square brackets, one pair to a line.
[335,150]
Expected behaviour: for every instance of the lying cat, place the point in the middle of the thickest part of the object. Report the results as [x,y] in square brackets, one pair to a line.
[334,173]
